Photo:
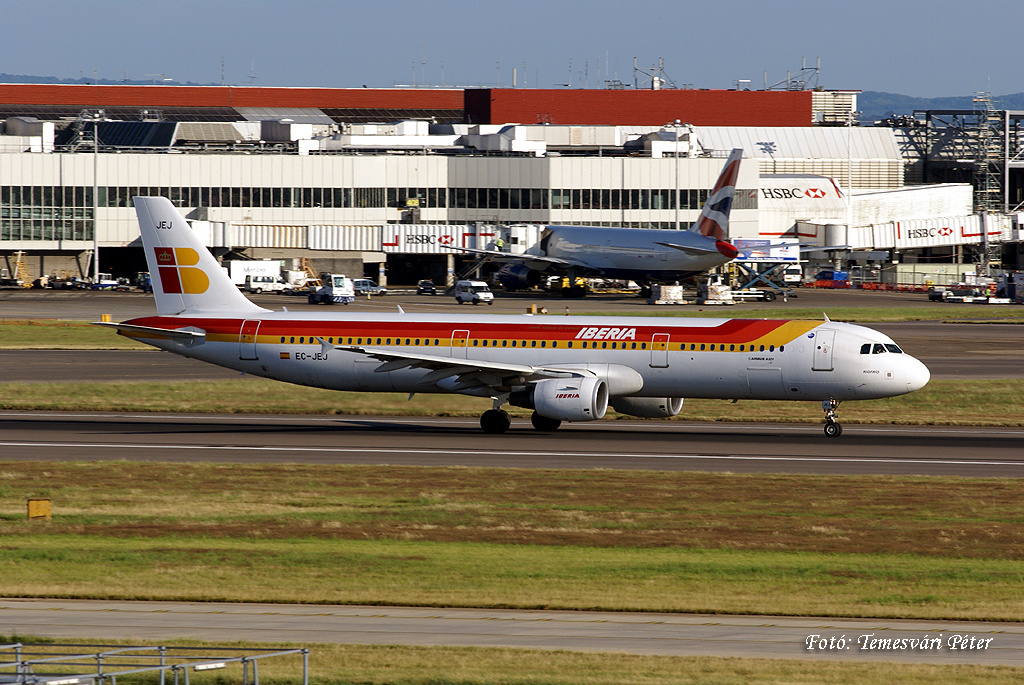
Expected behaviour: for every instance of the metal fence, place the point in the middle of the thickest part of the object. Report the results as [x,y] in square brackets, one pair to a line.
[84,664]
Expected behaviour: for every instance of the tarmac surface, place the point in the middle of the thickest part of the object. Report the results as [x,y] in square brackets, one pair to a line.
[863,640]
[439,441]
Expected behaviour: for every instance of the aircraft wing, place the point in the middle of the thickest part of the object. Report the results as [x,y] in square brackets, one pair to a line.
[469,374]
[824,248]
[689,249]
[510,257]
[172,334]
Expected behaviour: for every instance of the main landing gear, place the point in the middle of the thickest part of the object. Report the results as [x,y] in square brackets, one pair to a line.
[833,428]
[497,421]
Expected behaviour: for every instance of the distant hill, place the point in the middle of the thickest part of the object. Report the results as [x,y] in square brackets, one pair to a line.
[875,105]
[12,78]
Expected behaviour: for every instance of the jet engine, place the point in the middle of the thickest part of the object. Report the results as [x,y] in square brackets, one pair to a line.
[565,399]
[517,276]
[648,407]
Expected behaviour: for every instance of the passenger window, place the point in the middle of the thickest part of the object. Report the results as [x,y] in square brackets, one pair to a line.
[771,348]
[702,347]
[513,343]
[504,343]
[533,343]
[865,348]
[762,348]
[282,338]
[879,348]
[543,343]
[732,348]
[570,343]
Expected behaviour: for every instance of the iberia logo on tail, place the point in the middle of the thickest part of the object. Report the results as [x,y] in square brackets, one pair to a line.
[178,273]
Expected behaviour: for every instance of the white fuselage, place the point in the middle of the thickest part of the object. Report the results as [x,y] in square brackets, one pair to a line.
[637,356]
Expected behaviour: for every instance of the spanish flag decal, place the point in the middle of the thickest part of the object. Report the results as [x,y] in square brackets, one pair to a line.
[284,355]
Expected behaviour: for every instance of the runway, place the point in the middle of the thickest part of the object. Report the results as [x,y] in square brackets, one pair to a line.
[634,633]
[430,441]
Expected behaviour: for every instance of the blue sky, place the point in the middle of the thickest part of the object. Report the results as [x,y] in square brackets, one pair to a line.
[922,49]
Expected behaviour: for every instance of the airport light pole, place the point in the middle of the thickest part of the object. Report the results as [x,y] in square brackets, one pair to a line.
[676,125]
[97,115]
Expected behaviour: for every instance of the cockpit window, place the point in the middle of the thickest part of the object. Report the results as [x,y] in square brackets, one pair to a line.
[895,349]
[879,348]
[865,348]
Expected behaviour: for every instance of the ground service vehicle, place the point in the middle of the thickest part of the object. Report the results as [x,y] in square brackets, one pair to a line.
[266,284]
[335,289]
[426,287]
[474,292]
[367,286]
[564,368]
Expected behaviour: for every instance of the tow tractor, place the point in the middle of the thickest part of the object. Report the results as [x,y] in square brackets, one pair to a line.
[336,289]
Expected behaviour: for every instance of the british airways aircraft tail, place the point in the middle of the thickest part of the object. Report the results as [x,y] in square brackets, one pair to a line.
[714,217]
[186,277]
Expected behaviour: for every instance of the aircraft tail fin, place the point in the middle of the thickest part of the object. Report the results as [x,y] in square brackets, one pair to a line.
[185,276]
[714,217]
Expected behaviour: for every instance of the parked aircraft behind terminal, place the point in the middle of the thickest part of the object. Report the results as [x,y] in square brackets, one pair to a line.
[564,368]
[642,255]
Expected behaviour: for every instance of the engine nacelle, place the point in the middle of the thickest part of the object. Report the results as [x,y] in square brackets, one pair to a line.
[569,399]
[516,276]
[648,407]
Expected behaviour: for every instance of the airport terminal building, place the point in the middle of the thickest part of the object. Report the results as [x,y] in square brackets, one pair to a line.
[293,181]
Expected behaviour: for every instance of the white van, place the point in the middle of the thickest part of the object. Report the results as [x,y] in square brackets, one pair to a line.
[473,291]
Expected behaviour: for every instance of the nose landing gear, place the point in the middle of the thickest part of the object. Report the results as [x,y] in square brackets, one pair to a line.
[833,428]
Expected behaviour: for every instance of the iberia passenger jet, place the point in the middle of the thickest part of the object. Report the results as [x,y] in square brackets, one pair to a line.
[564,368]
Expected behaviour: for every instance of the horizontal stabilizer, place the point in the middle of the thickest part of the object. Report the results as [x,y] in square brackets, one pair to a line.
[133,331]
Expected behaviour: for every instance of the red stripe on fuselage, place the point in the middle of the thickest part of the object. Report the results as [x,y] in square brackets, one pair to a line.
[731,331]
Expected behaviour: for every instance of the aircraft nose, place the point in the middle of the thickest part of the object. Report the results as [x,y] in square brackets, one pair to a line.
[918,374]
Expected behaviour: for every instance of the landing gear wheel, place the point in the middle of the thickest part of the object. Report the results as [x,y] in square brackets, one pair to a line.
[832,427]
[495,421]
[543,423]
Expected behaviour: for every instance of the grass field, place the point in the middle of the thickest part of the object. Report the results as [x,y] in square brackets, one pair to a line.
[857,546]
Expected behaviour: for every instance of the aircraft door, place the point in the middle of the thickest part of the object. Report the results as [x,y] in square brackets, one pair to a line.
[659,351]
[247,339]
[823,344]
[460,344]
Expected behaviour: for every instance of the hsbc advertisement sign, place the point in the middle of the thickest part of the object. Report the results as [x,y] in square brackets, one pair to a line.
[797,192]
[434,238]
[959,230]
[806,197]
